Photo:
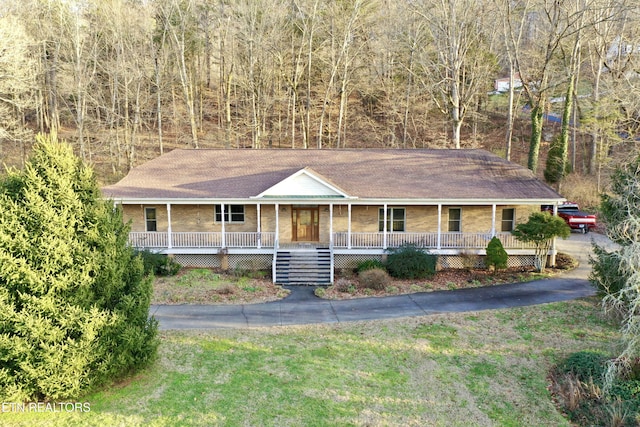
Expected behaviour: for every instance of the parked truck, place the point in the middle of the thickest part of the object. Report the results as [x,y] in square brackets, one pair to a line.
[574,217]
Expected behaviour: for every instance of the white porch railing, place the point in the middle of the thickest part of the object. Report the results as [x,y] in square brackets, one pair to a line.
[200,240]
[426,240]
[340,240]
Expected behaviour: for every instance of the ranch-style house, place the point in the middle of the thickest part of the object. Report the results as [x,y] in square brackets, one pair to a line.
[305,213]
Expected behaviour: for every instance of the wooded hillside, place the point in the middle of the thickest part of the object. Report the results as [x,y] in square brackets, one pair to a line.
[125,80]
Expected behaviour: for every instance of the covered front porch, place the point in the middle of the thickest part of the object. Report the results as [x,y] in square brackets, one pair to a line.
[263,227]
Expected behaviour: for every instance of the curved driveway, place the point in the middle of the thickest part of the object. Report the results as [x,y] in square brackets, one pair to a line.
[302,307]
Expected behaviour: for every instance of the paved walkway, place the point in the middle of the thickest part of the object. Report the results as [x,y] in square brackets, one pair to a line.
[303,307]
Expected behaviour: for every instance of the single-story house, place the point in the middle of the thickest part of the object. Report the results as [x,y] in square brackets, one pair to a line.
[288,209]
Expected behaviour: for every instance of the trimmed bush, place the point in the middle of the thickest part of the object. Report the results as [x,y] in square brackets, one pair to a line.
[369,265]
[375,278]
[409,262]
[158,264]
[496,255]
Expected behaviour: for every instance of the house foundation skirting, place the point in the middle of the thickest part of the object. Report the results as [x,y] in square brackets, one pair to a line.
[341,261]
[235,261]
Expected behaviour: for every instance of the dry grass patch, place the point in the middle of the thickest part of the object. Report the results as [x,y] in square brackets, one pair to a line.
[208,286]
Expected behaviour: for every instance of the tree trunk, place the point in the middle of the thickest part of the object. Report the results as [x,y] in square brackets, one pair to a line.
[537,121]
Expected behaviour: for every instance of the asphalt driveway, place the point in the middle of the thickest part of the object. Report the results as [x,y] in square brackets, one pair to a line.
[303,307]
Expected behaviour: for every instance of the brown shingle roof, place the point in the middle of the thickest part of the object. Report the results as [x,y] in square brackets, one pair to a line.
[366,174]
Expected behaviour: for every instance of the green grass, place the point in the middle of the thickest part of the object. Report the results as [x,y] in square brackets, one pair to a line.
[462,369]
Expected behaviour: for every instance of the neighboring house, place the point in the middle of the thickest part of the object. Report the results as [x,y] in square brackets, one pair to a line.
[278,208]
[501,85]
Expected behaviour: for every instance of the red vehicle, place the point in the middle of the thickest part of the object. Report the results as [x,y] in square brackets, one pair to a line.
[574,217]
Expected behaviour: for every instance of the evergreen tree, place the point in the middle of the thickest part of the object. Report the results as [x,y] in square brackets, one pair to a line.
[496,255]
[617,272]
[74,301]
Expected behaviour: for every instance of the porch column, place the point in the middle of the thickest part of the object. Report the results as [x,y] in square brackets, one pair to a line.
[349,226]
[493,220]
[439,244]
[224,239]
[552,261]
[384,227]
[258,229]
[277,239]
[331,226]
[169,240]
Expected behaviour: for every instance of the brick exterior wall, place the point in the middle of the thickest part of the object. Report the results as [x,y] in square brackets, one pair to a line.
[200,218]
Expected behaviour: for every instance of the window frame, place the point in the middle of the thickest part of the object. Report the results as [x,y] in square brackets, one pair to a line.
[230,217]
[391,219]
[148,221]
[511,221]
[457,221]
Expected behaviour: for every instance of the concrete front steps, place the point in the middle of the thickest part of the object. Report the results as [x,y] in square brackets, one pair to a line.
[303,266]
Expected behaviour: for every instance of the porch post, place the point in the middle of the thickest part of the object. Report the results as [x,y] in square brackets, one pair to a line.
[331,226]
[169,240]
[259,226]
[493,220]
[384,227]
[224,239]
[277,241]
[439,244]
[552,261]
[349,227]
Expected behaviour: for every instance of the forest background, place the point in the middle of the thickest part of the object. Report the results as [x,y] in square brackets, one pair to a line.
[126,80]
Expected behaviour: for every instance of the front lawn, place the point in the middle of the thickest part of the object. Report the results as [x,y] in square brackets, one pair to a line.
[467,369]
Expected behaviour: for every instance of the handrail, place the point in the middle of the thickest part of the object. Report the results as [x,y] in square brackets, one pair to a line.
[275,257]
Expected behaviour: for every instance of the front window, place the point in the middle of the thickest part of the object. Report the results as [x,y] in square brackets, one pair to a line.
[232,213]
[508,219]
[395,219]
[455,219]
[150,219]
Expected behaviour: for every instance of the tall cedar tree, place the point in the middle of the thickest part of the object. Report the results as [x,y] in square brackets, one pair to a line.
[74,302]
[617,272]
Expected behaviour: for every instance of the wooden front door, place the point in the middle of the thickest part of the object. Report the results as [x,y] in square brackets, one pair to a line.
[305,226]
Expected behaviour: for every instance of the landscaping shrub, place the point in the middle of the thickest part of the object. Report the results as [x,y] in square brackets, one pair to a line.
[343,285]
[496,255]
[375,278]
[578,383]
[369,265]
[158,264]
[409,262]
[584,365]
